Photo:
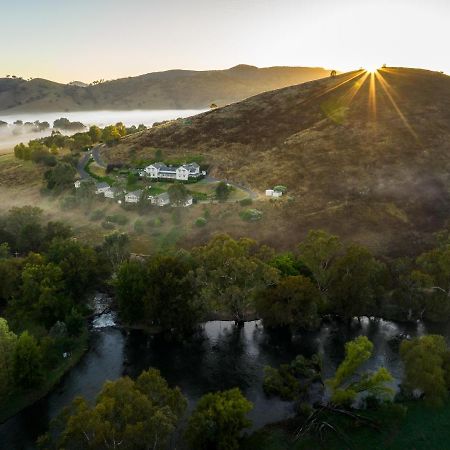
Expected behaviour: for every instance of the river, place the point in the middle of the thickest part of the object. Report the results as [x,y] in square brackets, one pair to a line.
[219,357]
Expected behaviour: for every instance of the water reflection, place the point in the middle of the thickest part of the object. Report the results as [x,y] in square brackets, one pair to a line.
[220,356]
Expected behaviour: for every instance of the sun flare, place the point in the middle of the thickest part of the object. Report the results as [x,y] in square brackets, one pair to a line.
[371,68]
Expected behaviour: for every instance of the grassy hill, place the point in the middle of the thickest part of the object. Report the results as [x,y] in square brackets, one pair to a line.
[174,89]
[363,155]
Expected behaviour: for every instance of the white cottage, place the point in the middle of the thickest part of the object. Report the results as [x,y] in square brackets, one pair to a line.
[160,200]
[133,197]
[113,192]
[101,188]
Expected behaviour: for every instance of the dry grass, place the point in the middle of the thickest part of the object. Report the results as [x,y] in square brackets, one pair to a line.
[380,176]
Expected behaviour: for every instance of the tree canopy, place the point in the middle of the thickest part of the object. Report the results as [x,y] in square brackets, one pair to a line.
[141,414]
[218,420]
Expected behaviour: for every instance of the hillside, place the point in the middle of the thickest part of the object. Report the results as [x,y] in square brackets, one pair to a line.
[174,89]
[363,155]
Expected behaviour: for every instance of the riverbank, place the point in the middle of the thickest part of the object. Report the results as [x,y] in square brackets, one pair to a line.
[20,399]
[420,427]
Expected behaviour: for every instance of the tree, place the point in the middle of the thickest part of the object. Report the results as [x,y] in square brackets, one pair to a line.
[131,289]
[317,252]
[110,135]
[178,194]
[435,265]
[222,191]
[230,274]
[43,293]
[8,342]
[348,382]
[218,420]
[79,265]
[95,133]
[116,248]
[427,367]
[27,367]
[60,177]
[133,415]
[333,73]
[159,293]
[355,283]
[24,224]
[295,302]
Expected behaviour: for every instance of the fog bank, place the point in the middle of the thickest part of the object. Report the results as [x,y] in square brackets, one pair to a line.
[8,138]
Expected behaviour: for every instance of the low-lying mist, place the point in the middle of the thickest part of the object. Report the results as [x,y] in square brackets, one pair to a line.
[11,135]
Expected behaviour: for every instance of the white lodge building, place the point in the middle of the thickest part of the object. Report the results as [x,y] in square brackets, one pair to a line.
[184,172]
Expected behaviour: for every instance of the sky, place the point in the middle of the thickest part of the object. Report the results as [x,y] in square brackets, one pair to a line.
[88,40]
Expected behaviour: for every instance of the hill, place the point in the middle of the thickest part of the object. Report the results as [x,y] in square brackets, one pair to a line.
[173,89]
[363,155]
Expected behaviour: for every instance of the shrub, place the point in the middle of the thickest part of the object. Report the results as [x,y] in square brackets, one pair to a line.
[139,226]
[69,202]
[246,202]
[108,225]
[98,214]
[119,219]
[280,188]
[251,215]
[201,222]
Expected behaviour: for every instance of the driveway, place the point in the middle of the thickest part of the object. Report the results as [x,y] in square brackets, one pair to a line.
[82,164]
[96,155]
[253,195]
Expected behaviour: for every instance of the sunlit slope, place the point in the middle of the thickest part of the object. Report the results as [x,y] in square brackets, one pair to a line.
[174,89]
[358,152]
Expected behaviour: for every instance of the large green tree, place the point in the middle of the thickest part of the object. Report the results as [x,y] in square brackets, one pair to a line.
[355,283]
[427,367]
[8,342]
[349,381]
[295,302]
[218,421]
[317,252]
[160,292]
[27,365]
[60,177]
[79,265]
[231,273]
[133,415]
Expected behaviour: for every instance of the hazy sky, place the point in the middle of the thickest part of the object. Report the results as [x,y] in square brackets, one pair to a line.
[91,39]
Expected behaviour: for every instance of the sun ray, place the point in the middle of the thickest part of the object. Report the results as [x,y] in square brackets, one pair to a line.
[372,98]
[385,86]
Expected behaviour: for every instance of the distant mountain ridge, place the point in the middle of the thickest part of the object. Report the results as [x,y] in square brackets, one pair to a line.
[172,89]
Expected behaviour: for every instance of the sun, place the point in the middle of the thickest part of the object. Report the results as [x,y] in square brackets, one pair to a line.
[371,68]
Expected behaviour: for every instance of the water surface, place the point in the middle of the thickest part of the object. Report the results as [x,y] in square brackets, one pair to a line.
[219,357]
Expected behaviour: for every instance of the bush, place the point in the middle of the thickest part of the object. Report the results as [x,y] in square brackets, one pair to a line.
[98,214]
[201,222]
[280,188]
[251,215]
[108,225]
[139,226]
[246,202]
[69,202]
[119,219]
